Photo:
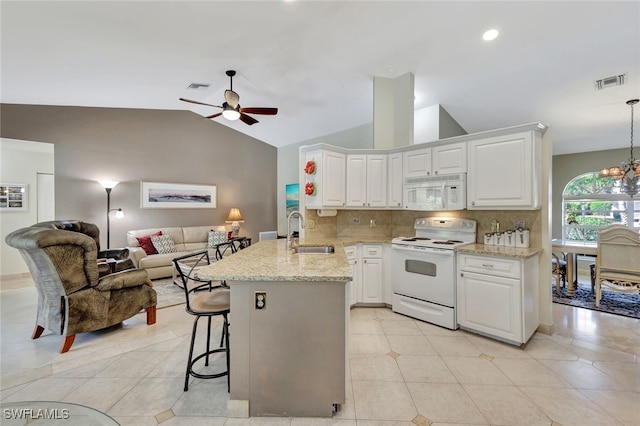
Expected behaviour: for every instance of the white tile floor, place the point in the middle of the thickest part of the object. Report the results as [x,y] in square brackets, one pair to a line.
[402,372]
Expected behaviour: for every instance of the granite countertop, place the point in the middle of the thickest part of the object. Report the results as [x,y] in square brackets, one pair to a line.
[499,251]
[364,240]
[271,261]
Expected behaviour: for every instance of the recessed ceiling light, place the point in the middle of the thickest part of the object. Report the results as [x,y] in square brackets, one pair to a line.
[490,35]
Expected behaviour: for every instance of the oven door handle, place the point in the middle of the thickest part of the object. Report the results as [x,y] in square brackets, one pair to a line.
[436,251]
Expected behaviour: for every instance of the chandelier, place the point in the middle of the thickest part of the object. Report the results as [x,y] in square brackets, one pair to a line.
[627,173]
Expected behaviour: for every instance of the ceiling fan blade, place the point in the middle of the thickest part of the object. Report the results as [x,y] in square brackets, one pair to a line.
[199,103]
[232,98]
[214,115]
[247,119]
[259,110]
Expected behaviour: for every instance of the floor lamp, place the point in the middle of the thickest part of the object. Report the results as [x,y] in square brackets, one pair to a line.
[108,186]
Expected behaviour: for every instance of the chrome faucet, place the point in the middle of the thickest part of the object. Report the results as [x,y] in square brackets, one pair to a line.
[295,212]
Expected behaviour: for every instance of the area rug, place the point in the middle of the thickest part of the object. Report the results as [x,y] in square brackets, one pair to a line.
[168,293]
[612,302]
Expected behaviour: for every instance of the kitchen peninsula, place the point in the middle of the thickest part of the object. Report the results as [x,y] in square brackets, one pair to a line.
[289,329]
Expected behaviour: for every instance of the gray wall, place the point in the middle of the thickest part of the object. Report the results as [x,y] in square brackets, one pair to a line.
[566,167]
[131,145]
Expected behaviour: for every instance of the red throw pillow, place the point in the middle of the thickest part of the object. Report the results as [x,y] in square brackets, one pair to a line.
[146,244]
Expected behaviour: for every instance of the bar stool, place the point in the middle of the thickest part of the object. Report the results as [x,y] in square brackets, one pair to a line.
[203,300]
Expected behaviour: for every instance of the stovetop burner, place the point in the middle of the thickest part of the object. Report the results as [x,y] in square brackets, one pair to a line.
[448,242]
[444,233]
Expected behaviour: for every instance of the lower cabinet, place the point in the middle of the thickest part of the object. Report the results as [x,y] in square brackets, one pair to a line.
[355,286]
[498,296]
[367,267]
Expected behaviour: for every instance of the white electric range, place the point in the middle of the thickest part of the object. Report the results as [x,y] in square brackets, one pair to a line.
[423,269]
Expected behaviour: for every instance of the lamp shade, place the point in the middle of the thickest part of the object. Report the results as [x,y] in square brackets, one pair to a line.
[234,216]
[108,184]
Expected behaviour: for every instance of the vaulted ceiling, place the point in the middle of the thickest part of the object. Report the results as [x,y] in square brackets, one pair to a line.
[316,61]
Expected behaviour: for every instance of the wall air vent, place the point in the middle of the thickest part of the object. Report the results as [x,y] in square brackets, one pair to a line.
[607,82]
[198,86]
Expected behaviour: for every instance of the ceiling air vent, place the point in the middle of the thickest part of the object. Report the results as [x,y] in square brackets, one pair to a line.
[198,86]
[607,82]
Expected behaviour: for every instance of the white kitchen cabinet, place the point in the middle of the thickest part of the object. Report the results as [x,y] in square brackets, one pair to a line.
[367,263]
[449,159]
[498,296]
[377,180]
[372,273]
[372,281]
[366,180]
[436,160]
[394,180]
[387,288]
[416,163]
[504,172]
[355,286]
[328,179]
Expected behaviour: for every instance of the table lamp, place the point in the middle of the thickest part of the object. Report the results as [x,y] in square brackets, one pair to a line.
[234,218]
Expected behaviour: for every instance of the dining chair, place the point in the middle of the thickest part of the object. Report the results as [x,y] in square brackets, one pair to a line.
[204,299]
[559,269]
[617,263]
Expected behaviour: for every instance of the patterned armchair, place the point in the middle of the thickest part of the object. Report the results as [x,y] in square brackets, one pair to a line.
[72,296]
[110,260]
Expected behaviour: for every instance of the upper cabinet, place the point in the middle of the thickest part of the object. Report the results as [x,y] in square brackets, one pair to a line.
[416,163]
[449,159]
[437,160]
[502,169]
[394,180]
[366,180]
[504,172]
[324,179]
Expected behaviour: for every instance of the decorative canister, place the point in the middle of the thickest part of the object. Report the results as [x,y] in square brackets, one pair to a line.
[488,239]
[509,239]
[522,237]
[498,239]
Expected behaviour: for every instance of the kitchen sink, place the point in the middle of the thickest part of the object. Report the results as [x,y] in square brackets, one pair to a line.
[314,250]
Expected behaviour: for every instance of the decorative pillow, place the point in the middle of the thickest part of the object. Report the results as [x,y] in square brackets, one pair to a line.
[215,238]
[146,244]
[163,244]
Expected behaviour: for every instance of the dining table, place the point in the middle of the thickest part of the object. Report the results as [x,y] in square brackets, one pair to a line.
[573,248]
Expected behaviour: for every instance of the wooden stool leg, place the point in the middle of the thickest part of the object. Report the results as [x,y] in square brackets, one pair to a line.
[37,332]
[151,315]
[66,344]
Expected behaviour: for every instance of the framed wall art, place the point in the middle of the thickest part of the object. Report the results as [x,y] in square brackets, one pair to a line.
[157,195]
[293,197]
[14,196]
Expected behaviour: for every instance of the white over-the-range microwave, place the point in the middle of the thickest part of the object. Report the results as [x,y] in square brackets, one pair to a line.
[434,193]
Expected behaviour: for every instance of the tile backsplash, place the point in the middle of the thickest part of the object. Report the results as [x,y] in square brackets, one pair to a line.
[393,223]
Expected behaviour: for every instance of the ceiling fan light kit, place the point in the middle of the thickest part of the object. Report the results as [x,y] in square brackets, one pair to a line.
[628,173]
[231,109]
[229,112]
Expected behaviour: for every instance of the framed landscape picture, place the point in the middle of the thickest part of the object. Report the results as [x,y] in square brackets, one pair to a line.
[293,197]
[14,196]
[157,195]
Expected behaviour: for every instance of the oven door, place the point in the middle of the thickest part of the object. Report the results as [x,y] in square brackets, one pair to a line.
[424,273]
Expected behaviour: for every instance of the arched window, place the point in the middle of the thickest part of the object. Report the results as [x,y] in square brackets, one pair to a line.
[590,203]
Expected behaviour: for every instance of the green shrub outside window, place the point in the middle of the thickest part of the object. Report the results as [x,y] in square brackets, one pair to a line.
[591,203]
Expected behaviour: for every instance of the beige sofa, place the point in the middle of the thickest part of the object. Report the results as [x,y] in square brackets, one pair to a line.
[186,239]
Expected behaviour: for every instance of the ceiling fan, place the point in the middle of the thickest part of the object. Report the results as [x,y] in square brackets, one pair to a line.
[231,109]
